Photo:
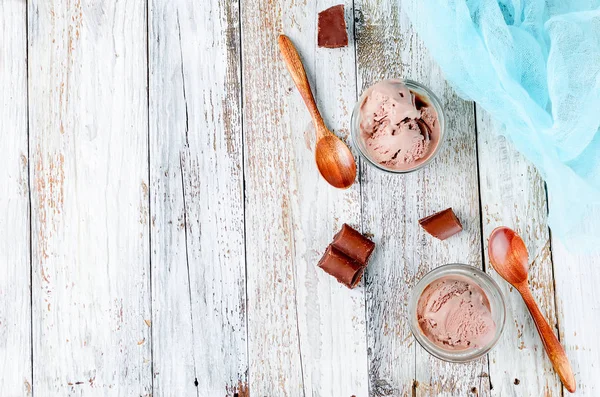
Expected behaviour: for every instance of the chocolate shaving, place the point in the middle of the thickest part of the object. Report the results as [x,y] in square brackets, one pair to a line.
[425,130]
[419,101]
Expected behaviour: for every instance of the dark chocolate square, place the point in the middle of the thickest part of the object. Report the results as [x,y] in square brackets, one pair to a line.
[332,28]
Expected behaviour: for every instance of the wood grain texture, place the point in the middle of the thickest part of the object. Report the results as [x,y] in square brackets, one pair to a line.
[15,266]
[89,173]
[513,195]
[578,302]
[112,194]
[387,47]
[196,190]
[304,328]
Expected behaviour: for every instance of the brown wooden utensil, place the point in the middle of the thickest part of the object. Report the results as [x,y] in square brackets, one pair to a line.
[510,258]
[334,160]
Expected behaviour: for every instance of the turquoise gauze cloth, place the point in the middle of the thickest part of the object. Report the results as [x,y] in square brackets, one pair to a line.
[534,65]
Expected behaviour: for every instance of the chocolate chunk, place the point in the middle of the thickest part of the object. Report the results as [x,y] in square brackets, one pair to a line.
[353,244]
[420,102]
[344,269]
[347,256]
[332,28]
[442,224]
[425,130]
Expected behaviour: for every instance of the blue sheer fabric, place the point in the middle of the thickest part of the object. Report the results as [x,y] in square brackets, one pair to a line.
[534,65]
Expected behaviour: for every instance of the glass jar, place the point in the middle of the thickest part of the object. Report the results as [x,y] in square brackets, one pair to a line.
[494,296]
[427,96]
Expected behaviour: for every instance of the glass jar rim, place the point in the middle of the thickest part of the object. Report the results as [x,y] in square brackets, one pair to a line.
[412,85]
[493,293]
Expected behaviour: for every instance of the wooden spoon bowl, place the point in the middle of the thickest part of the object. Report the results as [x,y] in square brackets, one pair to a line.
[509,257]
[335,161]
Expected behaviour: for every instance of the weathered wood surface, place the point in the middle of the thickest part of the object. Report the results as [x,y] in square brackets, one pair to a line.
[15,267]
[177,215]
[304,328]
[387,47]
[197,200]
[513,194]
[577,279]
[88,114]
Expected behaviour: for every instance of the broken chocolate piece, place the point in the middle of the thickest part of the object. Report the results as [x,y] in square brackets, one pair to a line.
[353,244]
[332,28]
[344,269]
[347,256]
[442,224]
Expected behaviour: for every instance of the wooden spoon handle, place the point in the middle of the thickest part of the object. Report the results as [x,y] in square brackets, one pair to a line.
[296,69]
[555,351]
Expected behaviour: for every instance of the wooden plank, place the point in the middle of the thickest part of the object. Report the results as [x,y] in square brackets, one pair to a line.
[388,47]
[196,190]
[514,195]
[578,304]
[15,266]
[304,328]
[89,173]
[331,317]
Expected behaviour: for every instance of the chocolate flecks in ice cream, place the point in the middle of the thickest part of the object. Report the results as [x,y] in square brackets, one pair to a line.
[400,129]
[454,313]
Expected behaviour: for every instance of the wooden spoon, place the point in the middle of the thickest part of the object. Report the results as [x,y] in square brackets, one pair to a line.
[509,257]
[334,160]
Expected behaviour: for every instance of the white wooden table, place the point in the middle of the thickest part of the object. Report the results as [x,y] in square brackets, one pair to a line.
[161,216]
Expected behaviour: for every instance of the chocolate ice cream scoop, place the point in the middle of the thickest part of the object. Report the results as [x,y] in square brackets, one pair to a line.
[454,313]
[457,312]
[399,126]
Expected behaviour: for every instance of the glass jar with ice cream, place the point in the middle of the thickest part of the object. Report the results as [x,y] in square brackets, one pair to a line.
[398,125]
[457,313]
